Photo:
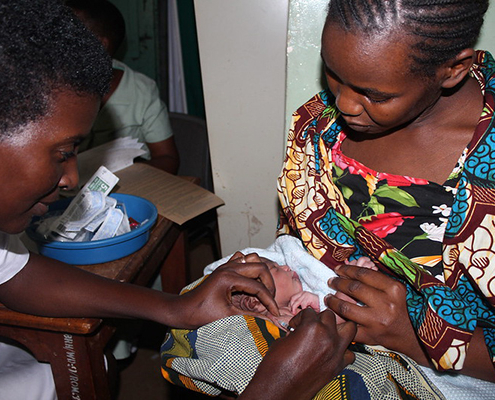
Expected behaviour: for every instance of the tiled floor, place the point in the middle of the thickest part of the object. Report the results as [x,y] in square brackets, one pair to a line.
[142,378]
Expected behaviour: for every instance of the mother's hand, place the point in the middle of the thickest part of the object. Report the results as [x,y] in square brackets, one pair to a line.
[299,365]
[212,299]
[383,318]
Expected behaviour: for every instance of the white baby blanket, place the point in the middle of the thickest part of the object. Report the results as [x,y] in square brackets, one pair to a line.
[288,250]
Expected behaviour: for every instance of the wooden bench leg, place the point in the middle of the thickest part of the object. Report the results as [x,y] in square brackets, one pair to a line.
[174,273]
[77,361]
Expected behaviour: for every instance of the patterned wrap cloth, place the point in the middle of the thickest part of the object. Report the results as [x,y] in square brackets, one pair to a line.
[444,314]
[223,357]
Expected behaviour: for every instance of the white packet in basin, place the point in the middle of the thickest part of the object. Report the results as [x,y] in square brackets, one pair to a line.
[88,206]
[110,226]
[98,220]
[102,181]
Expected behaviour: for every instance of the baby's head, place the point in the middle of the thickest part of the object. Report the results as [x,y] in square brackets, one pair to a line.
[287,284]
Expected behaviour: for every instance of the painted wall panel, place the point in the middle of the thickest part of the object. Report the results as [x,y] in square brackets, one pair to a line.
[243,59]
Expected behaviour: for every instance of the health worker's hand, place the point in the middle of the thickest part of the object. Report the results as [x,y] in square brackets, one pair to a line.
[300,364]
[383,318]
[212,299]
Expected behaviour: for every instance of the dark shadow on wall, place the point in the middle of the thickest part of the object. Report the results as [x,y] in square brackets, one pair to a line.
[145,48]
[190,58]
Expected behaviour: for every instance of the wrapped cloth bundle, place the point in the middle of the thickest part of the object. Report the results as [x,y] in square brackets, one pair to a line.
[223,356]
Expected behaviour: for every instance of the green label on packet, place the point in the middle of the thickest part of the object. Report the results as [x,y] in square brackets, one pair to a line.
[98,185]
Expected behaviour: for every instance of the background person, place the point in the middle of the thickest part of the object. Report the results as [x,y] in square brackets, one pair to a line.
[132,107]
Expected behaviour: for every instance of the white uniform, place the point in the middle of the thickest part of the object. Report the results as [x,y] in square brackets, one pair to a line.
[21,376]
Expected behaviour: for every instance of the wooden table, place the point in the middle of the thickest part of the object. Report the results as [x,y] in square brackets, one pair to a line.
[74,347]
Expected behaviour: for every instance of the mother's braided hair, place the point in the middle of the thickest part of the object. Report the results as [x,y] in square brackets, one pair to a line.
[441,28]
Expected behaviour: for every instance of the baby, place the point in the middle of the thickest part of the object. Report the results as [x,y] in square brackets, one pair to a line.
[289,293]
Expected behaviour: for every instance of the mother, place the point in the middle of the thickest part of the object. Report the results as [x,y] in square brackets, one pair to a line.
[399,154]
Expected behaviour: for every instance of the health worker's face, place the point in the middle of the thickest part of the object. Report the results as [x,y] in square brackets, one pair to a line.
[371,80]
[40,159]
[287,282]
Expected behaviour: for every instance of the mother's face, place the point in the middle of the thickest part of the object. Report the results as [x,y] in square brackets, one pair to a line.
[371,80]
[40,159]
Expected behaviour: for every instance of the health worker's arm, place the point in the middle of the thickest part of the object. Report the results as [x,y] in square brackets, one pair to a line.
[50,288]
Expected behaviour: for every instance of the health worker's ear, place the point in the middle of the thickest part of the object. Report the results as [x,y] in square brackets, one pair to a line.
[454,71]
[105,42]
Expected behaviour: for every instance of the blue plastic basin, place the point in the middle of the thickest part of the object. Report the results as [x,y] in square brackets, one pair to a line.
[99,251]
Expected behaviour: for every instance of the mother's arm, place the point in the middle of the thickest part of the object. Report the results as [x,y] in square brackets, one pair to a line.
[384,320]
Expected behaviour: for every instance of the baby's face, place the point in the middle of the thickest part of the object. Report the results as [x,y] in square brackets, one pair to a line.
[287,282]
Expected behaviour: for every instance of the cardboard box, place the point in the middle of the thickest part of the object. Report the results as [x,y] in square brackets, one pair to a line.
[176,198]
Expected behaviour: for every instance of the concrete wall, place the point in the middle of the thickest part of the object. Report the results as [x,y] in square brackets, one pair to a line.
[487,37]
[242,47]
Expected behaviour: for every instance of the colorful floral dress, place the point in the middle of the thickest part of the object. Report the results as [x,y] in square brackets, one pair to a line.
[410,213]
[439,239]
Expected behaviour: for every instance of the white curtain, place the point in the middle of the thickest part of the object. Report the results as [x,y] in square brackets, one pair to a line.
[177,91]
